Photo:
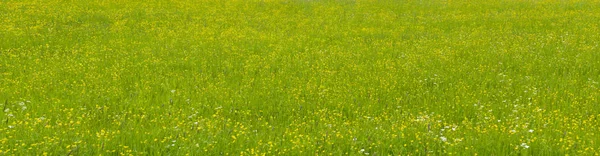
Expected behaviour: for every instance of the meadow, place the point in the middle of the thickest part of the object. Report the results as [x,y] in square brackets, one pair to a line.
[299,77]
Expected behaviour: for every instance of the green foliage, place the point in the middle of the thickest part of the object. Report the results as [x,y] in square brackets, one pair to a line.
[299,77]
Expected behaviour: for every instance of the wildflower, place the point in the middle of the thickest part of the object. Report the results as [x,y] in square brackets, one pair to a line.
[444,139]
[11,126]
[173,91]
[531,131]
[524,145]
[362,150]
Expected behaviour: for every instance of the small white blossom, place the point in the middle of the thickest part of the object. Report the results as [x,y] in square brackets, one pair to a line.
[444,139]
[524,145]
[531,131]
[173,91]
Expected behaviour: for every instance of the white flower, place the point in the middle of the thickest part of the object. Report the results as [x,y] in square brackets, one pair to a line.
[11,126]
[531,131]
[362,150]
[513,131]
[444,139]
[10,115]
[524,145]
[6,110]
[173,91]
[24,107]
[21,103]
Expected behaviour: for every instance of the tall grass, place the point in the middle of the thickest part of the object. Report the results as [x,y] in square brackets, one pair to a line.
[291,77]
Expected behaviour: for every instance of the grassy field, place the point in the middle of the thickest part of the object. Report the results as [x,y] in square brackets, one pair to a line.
[299,77]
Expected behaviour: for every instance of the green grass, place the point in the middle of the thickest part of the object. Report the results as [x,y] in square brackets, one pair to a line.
[299,77]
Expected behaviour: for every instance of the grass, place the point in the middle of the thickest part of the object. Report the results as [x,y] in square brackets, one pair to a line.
[299,77]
